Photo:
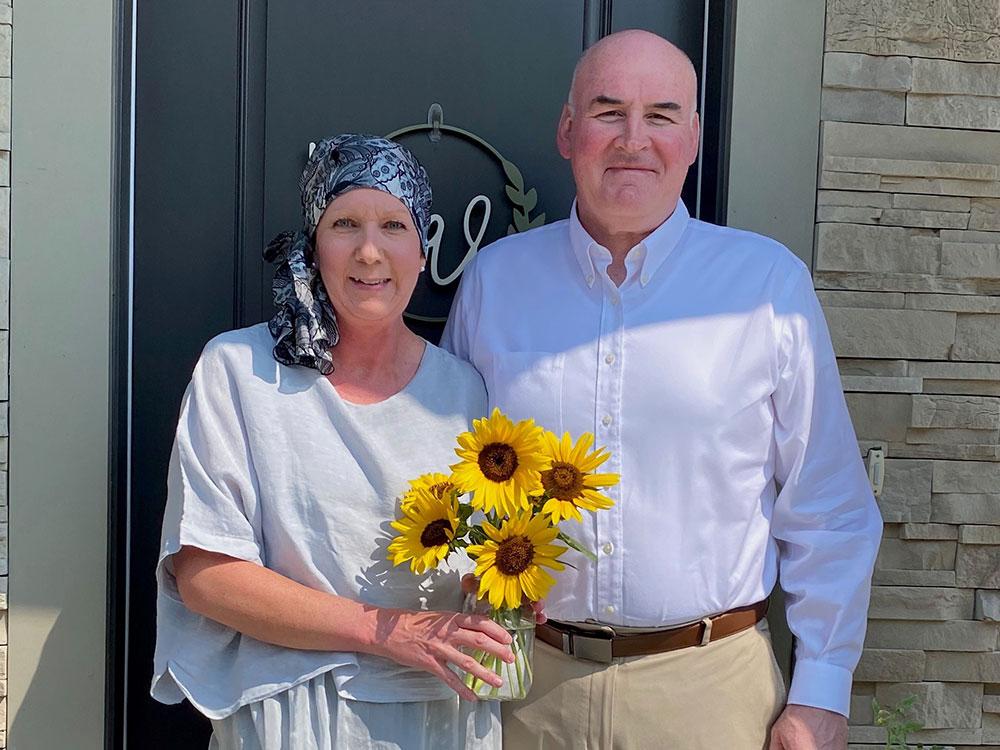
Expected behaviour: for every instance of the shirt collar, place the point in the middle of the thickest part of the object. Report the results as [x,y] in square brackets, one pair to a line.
[658,245]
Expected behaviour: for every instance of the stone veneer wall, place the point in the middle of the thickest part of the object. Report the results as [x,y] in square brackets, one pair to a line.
[908,268]
[5,74]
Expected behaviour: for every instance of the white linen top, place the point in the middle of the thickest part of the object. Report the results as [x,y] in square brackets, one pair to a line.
[270,465]
[710,376]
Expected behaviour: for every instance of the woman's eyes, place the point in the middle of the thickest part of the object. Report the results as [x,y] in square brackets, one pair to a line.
[391,225]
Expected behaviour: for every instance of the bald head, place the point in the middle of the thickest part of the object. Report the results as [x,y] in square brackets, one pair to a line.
[630,131]
[639,48]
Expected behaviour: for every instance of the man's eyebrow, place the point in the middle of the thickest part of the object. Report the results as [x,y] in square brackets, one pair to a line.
[602,100]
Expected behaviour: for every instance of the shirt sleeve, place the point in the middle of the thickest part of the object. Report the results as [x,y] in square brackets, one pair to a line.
[212,492]
[825,521]
[463,320]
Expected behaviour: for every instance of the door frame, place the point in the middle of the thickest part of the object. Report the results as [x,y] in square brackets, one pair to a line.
[720,45]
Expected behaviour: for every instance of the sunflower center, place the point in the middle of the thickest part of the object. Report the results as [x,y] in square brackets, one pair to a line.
[440,489]
[563,481]
[514,555]
[436,533]
[498,462]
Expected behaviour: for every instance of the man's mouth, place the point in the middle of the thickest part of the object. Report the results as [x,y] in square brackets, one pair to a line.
[630,168]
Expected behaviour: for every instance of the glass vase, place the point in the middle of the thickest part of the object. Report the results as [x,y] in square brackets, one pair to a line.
[516,675]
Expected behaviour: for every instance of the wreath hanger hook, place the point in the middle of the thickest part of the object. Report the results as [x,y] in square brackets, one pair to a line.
[435,118]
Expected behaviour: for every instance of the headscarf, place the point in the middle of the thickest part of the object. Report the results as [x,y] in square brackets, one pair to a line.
[305,326]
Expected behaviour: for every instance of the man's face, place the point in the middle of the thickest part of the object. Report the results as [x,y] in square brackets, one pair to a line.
[631,134]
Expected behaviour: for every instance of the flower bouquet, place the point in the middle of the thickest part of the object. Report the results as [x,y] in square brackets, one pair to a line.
[502,504]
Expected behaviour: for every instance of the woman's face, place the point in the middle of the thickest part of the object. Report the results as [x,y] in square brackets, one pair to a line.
[369,255]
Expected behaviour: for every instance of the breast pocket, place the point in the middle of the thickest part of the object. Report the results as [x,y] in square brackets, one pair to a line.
[528,385]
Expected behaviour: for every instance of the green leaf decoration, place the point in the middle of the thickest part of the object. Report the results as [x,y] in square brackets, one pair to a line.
[530,199]
[513,174]
[523,202]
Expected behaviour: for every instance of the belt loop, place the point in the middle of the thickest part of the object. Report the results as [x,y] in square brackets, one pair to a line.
[706,635]
[567,645]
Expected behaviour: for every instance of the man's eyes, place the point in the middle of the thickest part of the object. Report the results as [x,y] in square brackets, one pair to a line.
[616,114]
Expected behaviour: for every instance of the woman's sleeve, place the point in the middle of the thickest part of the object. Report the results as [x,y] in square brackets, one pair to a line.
[212,490]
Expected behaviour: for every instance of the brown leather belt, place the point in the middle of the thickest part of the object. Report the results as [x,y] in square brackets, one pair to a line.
[605,644]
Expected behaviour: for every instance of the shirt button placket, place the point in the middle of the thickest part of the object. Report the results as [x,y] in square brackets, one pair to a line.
[608,573]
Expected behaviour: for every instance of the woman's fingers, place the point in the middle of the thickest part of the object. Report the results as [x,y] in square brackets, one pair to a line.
[468,664]
[444,673]
[470,584]
[478,640]
[485,625]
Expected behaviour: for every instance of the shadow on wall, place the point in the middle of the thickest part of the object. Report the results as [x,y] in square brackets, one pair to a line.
[40,726]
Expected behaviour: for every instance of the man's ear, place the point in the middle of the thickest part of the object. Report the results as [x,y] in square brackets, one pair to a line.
[695,137]
[563,132]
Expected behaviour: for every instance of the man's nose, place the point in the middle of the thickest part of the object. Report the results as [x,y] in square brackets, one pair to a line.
[633,137]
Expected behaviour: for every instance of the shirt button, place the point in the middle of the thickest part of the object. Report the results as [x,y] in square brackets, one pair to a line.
[606,420]
[610,609]
[608,548]
[590,279]
[645,279]
[610,359]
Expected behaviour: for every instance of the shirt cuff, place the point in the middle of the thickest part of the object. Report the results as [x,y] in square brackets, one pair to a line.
[821,685]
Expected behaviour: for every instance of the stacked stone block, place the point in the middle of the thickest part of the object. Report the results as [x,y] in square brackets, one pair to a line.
[5,74]
[908,270]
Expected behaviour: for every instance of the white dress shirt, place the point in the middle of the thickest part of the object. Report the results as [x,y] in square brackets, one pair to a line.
[710,376]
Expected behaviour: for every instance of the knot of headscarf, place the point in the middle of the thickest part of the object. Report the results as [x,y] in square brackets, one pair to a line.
[305,326]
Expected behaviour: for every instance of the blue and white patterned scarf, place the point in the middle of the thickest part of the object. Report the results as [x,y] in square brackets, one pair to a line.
[305,326]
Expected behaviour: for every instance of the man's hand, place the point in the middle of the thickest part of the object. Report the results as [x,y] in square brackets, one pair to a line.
[808,728]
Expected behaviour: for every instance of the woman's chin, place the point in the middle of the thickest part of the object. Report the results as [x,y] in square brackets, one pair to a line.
[370,313]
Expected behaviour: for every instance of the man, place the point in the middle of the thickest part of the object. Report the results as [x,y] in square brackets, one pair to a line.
[698,355]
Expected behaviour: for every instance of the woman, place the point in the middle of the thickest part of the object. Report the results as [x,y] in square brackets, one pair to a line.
[278,615]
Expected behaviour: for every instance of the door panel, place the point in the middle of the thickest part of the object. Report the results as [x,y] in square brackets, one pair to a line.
[228,98]
[502,76]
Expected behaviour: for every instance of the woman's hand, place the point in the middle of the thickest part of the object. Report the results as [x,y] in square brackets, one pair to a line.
[431,640]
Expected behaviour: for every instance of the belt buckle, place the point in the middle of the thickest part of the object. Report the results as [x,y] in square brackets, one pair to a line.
[591,648]
[706,634]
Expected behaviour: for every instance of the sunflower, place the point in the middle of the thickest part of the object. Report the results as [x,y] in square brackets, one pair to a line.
[568,483]
[426,529]
[438,484]
[501,463]
[509,562]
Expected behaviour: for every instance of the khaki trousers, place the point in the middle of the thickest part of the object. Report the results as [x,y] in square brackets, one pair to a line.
[723,696]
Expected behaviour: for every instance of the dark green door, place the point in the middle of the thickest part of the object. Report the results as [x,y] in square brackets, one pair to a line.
[228,98]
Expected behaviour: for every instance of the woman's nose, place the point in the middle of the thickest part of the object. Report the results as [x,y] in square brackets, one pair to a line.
[368,250]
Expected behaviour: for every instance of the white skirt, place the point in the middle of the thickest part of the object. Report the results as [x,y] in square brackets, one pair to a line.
[311,716]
